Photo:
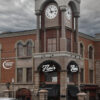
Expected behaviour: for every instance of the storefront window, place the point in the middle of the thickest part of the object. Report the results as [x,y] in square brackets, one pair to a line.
[72,72]
[51,77]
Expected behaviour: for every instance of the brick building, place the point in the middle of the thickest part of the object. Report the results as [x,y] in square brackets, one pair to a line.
[55,56]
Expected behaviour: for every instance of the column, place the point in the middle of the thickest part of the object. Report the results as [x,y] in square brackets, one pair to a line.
[43,95]
[45,42]
[72,37]
[63,85]
[37,42]
[58,40]
[36,87]
[76,34]
[63,40]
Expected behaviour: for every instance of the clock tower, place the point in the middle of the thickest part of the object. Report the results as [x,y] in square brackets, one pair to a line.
[57,19]
[56,43]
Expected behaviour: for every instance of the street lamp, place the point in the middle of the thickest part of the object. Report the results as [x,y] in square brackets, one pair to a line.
[8,88]
[13,87]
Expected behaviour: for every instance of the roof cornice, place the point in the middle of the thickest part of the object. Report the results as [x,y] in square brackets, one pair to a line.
[20,33]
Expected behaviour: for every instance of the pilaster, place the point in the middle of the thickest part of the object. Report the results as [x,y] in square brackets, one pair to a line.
[76,35]
[36,81]
[63,9]
[63,40]
[63,85]
[37,41]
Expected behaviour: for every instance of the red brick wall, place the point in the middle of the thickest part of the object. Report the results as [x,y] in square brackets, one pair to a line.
[8,50]
[97,50]
[86,43]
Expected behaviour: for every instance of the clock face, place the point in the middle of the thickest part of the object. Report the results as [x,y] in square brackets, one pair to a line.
[68,13]
[51,11]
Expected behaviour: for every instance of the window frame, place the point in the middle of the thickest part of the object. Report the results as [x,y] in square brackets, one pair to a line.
[52,44]
[24,75]
[81,49]
[91,82]
[25,49]
[90,52]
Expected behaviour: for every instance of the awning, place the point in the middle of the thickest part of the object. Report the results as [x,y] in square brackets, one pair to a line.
[89,87]
[73,90]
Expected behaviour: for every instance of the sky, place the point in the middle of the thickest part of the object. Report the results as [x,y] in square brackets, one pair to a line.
[19,15]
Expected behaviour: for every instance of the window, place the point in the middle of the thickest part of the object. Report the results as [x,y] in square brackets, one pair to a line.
[90,52]
[29,49]
[51,77]
[81,49]
[68,44]
[29,75]
[24,50]
[24,75]
[81,75]
[19,75]
[20,50]
[52,45]
[91,75]
[73,78]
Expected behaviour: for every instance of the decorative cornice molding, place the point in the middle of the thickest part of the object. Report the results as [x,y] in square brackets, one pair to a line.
[12,34]
[57,54]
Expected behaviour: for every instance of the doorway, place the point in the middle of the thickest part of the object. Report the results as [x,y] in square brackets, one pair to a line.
[23,94]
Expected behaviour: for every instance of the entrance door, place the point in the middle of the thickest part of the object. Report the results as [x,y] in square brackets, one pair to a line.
[53,91]
[50,78]
[23,94]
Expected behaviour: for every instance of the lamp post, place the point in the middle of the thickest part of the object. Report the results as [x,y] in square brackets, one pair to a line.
[13,87]
[8,88]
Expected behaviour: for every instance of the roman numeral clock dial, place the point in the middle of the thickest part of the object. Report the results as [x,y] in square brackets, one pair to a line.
[51,11]
[68,17]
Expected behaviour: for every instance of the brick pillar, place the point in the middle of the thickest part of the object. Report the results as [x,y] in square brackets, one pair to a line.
[82,96]
[36,81]
[43,95]
[63,85]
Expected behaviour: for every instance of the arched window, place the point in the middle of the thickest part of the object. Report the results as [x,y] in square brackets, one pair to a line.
[20,50]
[29,48]
[81,50]
[90,52]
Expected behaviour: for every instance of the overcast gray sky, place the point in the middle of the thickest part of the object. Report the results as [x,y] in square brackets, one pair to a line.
[19,15]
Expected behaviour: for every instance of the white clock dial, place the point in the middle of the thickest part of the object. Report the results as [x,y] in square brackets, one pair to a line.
[68,13]
[51,11]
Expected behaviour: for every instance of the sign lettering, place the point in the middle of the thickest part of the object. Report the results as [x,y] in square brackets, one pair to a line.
[7,64]
[48,68]
[73,68]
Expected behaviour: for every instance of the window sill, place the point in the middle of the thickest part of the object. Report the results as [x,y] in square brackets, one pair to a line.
[51,83]
[24,57]
[31,83]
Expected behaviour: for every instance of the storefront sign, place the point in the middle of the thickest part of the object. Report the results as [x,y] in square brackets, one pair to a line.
[74,68]
[7,64]
[48,68]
